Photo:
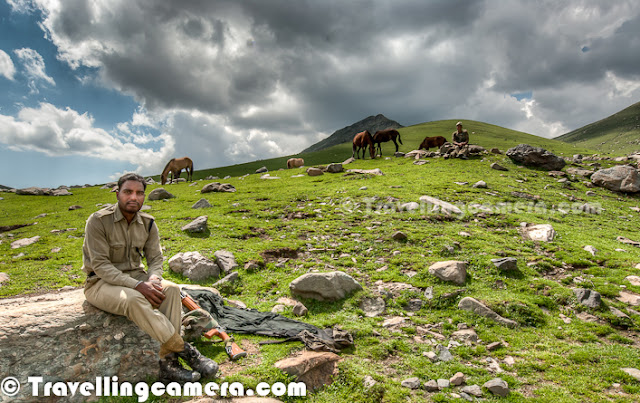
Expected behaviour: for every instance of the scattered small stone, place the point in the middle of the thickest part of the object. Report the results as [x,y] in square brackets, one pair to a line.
[498,167]
[369,382]
[591,250]
[299,309]
[262,170]
[228,279]
[473,390]
[160,194]
[467,335]
[278,308]
[443,353]
[443,383]
[635,373]
[451,270]
[480,185]
[399,236]
[4,277]
[202,203]
[199,225]
[431,386]
[428,293]
[433,357]
[634,280]
[498,387]
[591,193]
[411,383]
[458,379]
[226,260]
[24,242]
[75,207]
[475,306]
[588,297]
[494,346]
[506,264]
[629,298]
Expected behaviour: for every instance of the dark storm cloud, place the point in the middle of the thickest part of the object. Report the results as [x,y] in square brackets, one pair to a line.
[267,70]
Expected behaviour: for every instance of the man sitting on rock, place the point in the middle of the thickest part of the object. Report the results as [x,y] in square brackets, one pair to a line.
[116,240]
[460,140]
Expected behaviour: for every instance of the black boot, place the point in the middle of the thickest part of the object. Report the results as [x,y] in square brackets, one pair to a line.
[172,370]
[206,366]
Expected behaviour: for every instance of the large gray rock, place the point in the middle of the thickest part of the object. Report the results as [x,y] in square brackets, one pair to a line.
[535,157]
[506,263]
[477,307]
[194,266]
[498,387]
[32,191]
[588,297]
[622,178]
[450,270]
[541,232]
[202,203]
[226,261]
[331,286]
[437,205]
[160,194]
[334,168]
[63,338]
[315,369]
[61,192]
[198,225]
[218,187]
[24,242]
[373,306]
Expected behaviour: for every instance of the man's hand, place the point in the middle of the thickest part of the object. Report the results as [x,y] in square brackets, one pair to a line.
[152,291]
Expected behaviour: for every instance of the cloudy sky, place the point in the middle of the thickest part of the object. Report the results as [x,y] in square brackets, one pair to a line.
[96,88]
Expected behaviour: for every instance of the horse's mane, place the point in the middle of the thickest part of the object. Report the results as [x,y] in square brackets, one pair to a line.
[165,171]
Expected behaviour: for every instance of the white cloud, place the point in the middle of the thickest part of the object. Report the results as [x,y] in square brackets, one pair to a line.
[34,68]
[7,68]
[65,132]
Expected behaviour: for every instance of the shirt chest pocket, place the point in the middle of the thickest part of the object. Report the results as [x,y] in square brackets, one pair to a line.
[118,253]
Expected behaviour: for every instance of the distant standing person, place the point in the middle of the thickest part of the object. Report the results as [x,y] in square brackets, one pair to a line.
[116,240]
[460,140]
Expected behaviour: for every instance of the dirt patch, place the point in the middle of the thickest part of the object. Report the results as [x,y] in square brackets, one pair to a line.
[252,359]
[273,255]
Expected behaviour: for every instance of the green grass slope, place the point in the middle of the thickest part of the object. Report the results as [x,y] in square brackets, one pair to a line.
[617,134]
[484,134]
[560,352]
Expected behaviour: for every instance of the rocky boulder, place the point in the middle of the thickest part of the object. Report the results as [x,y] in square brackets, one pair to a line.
[315,369]
[61,337]
[477,307]
[535,157]
[226,261]
[331,286]
[194,266]
[198,225]
[451,270]
[218,187]
[160,194]
[622,178]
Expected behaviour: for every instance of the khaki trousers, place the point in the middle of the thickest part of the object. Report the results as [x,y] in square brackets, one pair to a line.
[161,323]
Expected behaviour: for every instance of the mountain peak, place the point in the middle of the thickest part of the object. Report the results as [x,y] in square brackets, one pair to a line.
[371,123]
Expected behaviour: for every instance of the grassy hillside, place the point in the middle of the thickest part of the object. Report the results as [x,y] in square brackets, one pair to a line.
[560,352]
[484,134]
[616,134]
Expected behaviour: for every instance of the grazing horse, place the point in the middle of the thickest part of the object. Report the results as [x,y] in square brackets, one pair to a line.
[382,136]
[429,142]
[361,141]
[175,166]
[294,163]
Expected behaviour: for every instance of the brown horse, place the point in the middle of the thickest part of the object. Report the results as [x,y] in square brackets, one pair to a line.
[382,136]
[175,166]
[360,142]
[429,142]
[294,163]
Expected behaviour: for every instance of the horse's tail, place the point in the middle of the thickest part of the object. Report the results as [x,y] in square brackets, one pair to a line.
[191,168]
[289,164]
[399,139]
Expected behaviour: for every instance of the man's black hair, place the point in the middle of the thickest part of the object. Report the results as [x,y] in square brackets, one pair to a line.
[132,177]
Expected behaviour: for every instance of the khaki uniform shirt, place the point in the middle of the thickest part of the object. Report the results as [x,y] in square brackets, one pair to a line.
[460,137]
[113,249]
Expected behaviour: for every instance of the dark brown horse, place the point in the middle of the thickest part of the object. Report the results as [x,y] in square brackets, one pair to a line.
[383,136]
[175,166]
[429,142]
[361,141]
